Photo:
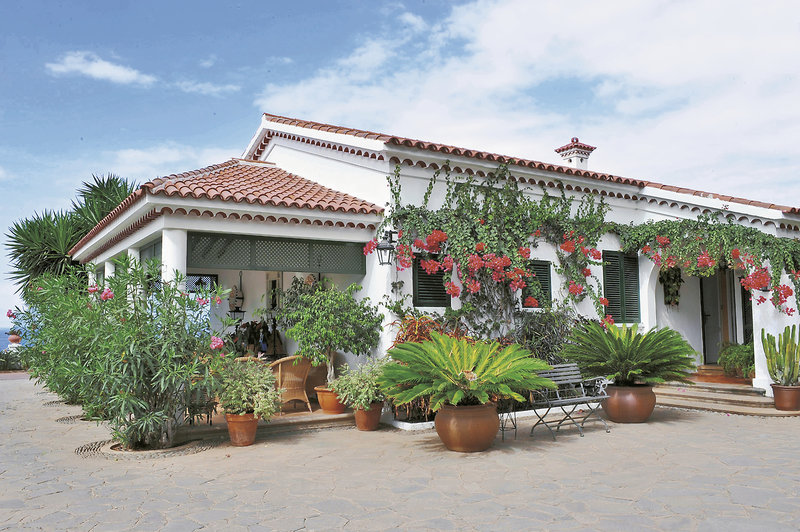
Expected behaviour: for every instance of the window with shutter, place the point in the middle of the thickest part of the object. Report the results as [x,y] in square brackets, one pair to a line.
[621,286]
[541,270]
[429,288]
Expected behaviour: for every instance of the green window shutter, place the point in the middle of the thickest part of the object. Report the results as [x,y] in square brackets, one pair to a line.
[541,268]
[621,286]
[429,289]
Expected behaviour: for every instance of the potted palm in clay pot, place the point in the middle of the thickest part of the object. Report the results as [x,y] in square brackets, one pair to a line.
[326,320]
[783,359]
[358,389]
[634,361]
[462,378]
[246,392]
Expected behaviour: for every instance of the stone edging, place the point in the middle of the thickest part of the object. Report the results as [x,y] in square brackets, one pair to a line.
[103,449]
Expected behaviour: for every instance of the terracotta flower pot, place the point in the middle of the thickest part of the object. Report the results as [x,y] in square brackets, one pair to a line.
[467,429]
[629,404]
[328,400]
[14,338]
[786,397]
[369,419]
[242,429]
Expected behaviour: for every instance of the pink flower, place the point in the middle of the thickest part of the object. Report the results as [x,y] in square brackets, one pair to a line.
[447,263]
[452,289]
[704,260]
[586,272]
[575,289]
[370,246]
[216,342]
[595,254]
[218,300]
[646,249]
[202,300]
[525,253]
[10,314]
[93,288]
[430,266]
[479,247]
[608,320]
[405,257]
[663,241]
[107,294]
[38,288]
[603,301]
[473,286]
[568,246]
[530,302]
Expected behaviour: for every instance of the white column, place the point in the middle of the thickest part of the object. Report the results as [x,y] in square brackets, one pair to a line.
[133,254]
[109,269]
[92,277]
[173,253]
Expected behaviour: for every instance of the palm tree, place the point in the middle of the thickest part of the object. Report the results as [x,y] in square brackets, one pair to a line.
[97,199]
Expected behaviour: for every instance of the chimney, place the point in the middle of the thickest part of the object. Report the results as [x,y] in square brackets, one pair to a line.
[576,153]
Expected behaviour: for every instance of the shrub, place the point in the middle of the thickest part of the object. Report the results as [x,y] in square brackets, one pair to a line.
[544,332]
[358,387]
[738,360]
[248,387]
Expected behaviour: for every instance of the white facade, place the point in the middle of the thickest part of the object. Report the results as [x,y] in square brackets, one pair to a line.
[358,165]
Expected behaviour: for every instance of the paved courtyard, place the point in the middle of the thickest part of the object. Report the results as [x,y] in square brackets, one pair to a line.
[682,471]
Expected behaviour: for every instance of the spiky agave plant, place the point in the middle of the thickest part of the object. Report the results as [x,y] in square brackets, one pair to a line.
[628,357]
[457,371]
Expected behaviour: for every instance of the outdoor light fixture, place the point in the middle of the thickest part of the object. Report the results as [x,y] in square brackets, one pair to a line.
[385,248]
[236,300]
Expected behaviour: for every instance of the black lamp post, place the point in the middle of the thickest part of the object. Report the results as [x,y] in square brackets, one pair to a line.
[385,248]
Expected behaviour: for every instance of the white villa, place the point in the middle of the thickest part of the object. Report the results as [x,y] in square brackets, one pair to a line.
[305,197]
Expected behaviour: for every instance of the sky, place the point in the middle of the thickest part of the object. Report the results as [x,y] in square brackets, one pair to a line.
[700,93]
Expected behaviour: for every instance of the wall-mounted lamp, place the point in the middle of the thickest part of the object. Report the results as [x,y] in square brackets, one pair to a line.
[236,300]
[385,248]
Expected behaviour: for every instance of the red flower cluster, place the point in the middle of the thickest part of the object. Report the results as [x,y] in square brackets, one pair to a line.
[758,280]
[405,257]
[663,241]
[783,292]
[475,263]
[671,261]
[370,246]
[568,246]
[603,301]
[452,289]
[473,286]
[435,240]
[93,288]
[525,253]
[608,320]
[447,263]
[479,247]
[530,302]
[575,289]
[735,254]
[430,266]
[586,272]
[647,249]
[705,260]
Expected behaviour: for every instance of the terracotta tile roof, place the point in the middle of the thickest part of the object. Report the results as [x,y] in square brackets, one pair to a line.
[575,143]
[255,182]
[240,181]
[505,159]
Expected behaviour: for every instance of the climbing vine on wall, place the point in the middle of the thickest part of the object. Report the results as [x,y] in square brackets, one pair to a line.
[484,235]
[701,247]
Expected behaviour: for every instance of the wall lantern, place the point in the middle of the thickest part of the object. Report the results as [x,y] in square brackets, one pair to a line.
[385,248]
[236,300]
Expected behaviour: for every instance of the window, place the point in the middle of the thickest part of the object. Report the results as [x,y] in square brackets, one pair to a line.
[429,289]
[541,269]
[621,286]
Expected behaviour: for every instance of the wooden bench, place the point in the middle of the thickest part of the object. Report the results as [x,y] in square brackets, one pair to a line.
[572,391]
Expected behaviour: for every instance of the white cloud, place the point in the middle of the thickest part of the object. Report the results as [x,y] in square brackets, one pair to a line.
[89,64]
[205,88]
[209,61]
[281,60]
[4,175]
[677,92]
[144,164]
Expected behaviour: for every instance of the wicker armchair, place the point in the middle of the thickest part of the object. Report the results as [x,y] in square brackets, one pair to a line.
[291,377]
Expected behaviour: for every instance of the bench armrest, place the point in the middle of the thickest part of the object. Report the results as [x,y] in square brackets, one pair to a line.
[596,386]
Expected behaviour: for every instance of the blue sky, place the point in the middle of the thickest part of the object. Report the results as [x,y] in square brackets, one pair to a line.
[700,94]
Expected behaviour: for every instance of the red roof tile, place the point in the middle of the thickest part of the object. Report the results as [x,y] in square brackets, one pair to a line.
[575,143]
[505,159]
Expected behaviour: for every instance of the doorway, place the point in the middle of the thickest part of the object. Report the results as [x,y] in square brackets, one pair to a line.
[718,299]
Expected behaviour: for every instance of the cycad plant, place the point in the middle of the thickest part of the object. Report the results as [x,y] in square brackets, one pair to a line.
[457,371]
[783,356]
[628,357]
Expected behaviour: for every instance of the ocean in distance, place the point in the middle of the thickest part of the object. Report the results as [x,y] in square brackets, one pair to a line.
[3,339]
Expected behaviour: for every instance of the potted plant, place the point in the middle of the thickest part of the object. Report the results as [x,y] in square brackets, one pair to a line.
[783,356]
[326,320]
[462,377]
[247,392]
[358,389]
[634,361]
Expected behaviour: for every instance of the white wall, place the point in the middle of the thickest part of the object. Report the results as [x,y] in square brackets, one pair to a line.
[687,317]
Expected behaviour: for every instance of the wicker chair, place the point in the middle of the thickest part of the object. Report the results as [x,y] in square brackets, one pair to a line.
[291,377]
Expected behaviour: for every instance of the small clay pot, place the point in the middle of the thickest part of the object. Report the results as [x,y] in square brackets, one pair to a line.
[242,429]
[328,400]
[629,404]
[369,419]
[14,338]
[467,429]
[786,397]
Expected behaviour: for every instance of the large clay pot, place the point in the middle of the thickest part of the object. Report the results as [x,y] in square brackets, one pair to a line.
[14,338]
[242,429]
[629,404]
[467,429]
[786,397]
[328,400]
[369,419]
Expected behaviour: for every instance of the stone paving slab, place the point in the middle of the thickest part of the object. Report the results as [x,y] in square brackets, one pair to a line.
[681,471]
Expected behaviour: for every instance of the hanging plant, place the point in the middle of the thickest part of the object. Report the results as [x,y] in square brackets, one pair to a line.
[671,280]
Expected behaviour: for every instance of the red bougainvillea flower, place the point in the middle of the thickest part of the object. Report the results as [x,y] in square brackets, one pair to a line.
[479,247]
[93,288]
[761,299]
[405,257]
[603,301]
[663,241]
[530,302]
[10,314]
[735,253]
[447,263]
[704,260]
[525,253]
[481,221]
[568,246]
[430,266]
[475,263]
[517,284]
[608,320]
[400,234]
[581,239]
[671,262]
[370,246]
[789,311]
[473,286]
[646,249]
[656,259]
[107,294]
[575,289]
[216,342]
[595,254]
[452,289]
[758,280]
[537,233]
[796,274]
[419,244]
[586,272]
[784,292]
[434,240]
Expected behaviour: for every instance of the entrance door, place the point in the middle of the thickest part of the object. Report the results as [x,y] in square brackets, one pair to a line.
[717,296]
